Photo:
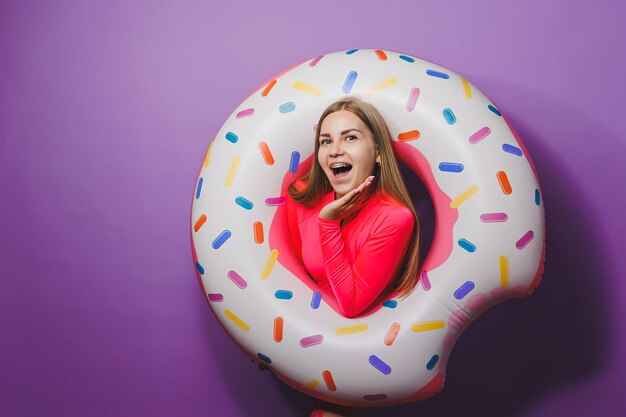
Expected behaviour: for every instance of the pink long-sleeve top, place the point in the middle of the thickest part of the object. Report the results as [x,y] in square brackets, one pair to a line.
[356,259]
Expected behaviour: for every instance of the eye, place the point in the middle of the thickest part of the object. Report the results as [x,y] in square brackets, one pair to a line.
[351,138]
[324,141]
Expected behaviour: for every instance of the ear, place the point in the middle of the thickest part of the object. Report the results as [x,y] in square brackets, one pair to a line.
[377,156]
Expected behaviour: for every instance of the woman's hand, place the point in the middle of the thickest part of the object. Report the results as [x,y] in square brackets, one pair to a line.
[348,204]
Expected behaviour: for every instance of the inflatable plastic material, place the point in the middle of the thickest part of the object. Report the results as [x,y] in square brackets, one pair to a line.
[488,246]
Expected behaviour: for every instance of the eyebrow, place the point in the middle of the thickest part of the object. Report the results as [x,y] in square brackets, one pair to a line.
[342,133]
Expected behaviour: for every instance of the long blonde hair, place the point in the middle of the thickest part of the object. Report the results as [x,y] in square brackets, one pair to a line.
[388,180]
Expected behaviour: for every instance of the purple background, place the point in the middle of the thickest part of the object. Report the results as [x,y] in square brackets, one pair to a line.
[106,111]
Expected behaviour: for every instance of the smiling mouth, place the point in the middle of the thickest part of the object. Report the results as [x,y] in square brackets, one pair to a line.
[340,169]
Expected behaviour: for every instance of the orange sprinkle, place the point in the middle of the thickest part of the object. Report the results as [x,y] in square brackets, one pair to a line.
[407,136]
[258,232]
[278,329]
[392,334]
[199,223]
[504,182]
[328,379]
[267,89]
[267,154]
[381,55]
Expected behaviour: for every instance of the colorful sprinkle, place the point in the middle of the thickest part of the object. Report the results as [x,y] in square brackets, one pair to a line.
[307,88]
[294,162]
[199,223]
[512,149]
[407,58]
[479,135]
[428,325]
[537,197]
[351,51]
[316,299]
[493,217]
[493,109]
[258,232]
[432,362]
[244,203]
[266,153]
[283,295]
[263,357]
[232,171]
[466,88]
[451,167]
[449,116]
[231,137]
[219,241]
[237,279]
[413,95]
[505,185]
[351,329]
[278,329]
[524,240]
[242,324]
[390,304]
[349,82]
[275,201]
[315,61]
[245,113]
[269,87]
[287,107]
[316,339]
[216,298]
[381,55]
[208,155]
[391,335]
[504,271]
[463,290]
[425,281]
[467,245]
[381,86]
[437,74]
[377,363]
[199,188]
[312,384]
[269,265]
[464,196]
[328,380]
[408,136]
[200,268]
[375,397]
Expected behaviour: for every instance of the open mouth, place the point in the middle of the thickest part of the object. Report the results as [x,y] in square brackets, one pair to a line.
[340,169]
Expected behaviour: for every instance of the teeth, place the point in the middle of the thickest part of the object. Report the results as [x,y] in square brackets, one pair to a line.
[339,165]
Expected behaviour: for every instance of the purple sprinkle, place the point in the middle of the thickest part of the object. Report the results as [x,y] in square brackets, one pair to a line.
[237,279]
[375,397]
[493,217]
[275,201]
[463,290]
[316,299]
[216,298]
[316,339]
[425,280]
[377,363]
[524,240]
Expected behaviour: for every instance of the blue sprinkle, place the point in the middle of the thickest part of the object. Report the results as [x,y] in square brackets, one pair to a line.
[407,58]
[537,197]
[263,357]
[347,85]
[219,241]
[244,202]
[315,301]
[199,268]
[294,162]
[451,167]
[437,74]
[493,109]
[432,362]
[287,107]
[351,51]
[464,290]
[448,114]
[390,303]
[512,149]
[467,245]
[377,363]
[283,295]
[231,137]
[199,188]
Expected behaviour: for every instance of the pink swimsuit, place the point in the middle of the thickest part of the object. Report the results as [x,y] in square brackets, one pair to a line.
[356,260]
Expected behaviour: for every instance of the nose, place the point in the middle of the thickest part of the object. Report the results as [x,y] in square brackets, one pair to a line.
[336,149]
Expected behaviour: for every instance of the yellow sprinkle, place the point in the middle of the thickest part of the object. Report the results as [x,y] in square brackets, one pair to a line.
[428,325]
[466,87]
[307,88]
[382,86]
[269,265]
[466,194]
[314,383]
[237,320]
[352,329]
[232,171]
[504,271]
[208,155]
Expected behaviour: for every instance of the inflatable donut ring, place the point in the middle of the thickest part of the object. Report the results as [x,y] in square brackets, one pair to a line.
[488,245]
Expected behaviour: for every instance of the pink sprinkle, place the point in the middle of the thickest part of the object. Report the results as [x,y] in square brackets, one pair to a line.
[425,281]
[524,240]
[315,61]
[245,113]
[237,279]
[493,217]
[480,135]
[410,105]
[311,340]
[216,298]
[275,201]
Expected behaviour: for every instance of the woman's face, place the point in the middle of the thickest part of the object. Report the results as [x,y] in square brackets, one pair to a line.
[347,152]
